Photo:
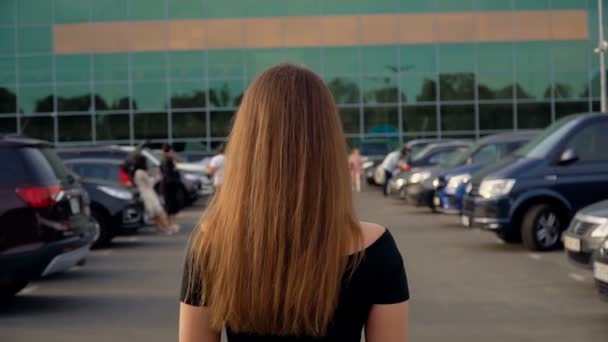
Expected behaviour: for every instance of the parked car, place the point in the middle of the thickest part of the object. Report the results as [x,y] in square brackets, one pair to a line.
[117,208]
[533,194]
[372,154]
[45,225]
[586,233]
[451,179]
[600,270]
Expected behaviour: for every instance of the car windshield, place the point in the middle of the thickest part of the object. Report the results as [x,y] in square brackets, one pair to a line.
[374,149]
[539,147]
[417,148]
[421,153]
[459,158]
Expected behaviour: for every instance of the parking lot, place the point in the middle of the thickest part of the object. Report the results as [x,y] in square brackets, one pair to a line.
[465,286]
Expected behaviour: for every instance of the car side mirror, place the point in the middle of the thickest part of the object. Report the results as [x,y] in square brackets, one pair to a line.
[569,156]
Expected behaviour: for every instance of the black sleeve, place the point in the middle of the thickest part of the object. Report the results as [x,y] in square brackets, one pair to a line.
[391,285]
[190,296]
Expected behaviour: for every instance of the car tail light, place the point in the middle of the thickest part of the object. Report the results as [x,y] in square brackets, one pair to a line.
[40,197]
[405,166]
[124,178]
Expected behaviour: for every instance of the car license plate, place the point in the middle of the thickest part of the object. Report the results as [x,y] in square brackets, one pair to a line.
[572,244]
[75,205]
[600,271]
[466,221]
[436,201]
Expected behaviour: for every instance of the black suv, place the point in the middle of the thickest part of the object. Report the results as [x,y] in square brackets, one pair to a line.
[533,194]
[45,225]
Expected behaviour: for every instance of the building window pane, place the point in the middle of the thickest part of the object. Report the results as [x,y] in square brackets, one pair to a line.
[74,128]
[8,125]
[9,12]
[310,57]
[459,86]
[38,127]
[533,85]
[36,69]
[533,115]
[420,118]
[418,58]
[147,9]
[494,85]
[186,9]
[112,127]
[571,85]
[225,63]
[8,100]
[225,93]
[73,98]
[382,89]
[381,120]
[451,5]
[492,5]
[189,125]
[567,108]
[111,67]
[350,120]
[72,11]
[151,125]
[36,39]
[457,118]
[496,116]
[258,60]
[111,96]
[7,41]
[417,87]
[380,59]
[221,123]
[224,8]
[265,8]
[531,4]
[341,60]
[7,71]
[492,55]
[73,68]
[109,10]
[150,95]
[188,94]
[344,88]
[303,7]
[187,64]
[456,58]
[36,99]
[148,66]
[34,12]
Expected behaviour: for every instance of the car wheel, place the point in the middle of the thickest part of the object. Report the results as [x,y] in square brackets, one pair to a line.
[512,236]
[106,233]
[370,181]
[541,228]
[10,287]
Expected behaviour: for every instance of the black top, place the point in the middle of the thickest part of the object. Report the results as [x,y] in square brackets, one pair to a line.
[169,171]
[379,279]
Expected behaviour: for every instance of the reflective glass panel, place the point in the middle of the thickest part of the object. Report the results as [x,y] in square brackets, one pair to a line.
[147,9]
[9,12]
[188,94]
[35,69]
[458,86]
[36,99]
[380,59]
[381,89]
[422,118]
[148,66]
[341,60]
[350,120]
[419,87]
[112,126]
[381,120]
[72,11]
[111,67]
[38,127]
[221,122]
[7,71]
[458,117]
[344,88]
[151,125]
[225,63]
[75,128]
[456,58]
[186,9]
[8,99]
[418,58]
[567,108]
[310,57]
[189,125]
[73,68]
[258,60]
[109,10]
[225,93]
[150,95]
[494,85]
[74,98]
[495,116]
[187,64]
[8,125]
[7,40]
[533,115]
[111,96]
[35,39]
[34,12]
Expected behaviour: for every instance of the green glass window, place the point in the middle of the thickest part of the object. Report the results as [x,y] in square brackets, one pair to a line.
[150,95]
[570,65]
[221,123]
[225,93]
[570,85]
[567,108]
[350,120]
[111,67]
[492,5]
[341,60]
[73,68]
[187,64]
[265,8]
[494,85]
[310,57]
[189,125]
[456,58]
[382,89]
[8,125]
[418,6]
[8,99]
[380,59]
[7,71]
[224,8]
[569,4]
[533,115]
[147,9]
[109,10]
[495,57]
[381,120]
[457,86]
[72,11]
[419,87]
[35,39]
[345,89]
[186,9]
[303,7]
[73,97]
[418,58]
[379,6]
[112,127]
[34,12]
[38,127]
[329,7]
[258,60]
[151,125]
[494,116]
[531,4]
[457,117]
[188,94]
[534,85]
[422,118]
[111,96]
[74,128]
[7,41]
[36,99]
[451,5]
[148,66]
[8,12]
[533,68]
[225,63]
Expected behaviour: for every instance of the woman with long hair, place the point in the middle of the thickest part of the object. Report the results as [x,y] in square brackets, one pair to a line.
[279,255]
[145,185]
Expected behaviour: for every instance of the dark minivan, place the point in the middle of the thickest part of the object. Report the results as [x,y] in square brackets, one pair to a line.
[45,225]
[533,194]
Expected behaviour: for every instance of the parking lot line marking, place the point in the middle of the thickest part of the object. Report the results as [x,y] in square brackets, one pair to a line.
[534,256]
[577,277]
[29,289]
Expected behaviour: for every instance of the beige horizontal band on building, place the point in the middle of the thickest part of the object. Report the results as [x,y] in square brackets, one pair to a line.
[312,31]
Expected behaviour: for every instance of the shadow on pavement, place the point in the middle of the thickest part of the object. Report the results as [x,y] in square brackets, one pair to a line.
[27,304]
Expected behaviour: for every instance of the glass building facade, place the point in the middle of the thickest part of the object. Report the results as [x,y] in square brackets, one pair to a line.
[120,71]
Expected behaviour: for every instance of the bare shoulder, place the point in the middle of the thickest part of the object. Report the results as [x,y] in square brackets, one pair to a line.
[371,232]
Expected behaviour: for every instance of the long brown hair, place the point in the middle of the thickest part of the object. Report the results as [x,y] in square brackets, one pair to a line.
[272,247]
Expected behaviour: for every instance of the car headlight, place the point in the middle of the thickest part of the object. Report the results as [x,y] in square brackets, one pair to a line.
[368,164]
[418,177]
[117,193]
[192,176]
[399,183]
[457,180]
[600,232]
[493,188]
[436,183]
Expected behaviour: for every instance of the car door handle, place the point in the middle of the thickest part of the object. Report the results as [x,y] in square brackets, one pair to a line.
[551,178]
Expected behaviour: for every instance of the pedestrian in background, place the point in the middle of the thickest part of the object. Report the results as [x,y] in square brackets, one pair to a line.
[389,164]
[355,163]
[171,186]
[216,168]
[279,254]
[145,185]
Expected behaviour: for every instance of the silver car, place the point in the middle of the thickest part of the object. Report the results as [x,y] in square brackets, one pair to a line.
[586,233]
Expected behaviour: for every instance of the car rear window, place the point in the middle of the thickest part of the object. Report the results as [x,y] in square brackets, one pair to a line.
[96,171]
[44,165]
[14,171]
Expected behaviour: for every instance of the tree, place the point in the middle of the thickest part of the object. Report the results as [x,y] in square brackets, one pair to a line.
[8,101]
[344,91]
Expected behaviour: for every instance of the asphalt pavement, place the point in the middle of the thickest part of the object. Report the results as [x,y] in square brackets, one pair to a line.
[465,286]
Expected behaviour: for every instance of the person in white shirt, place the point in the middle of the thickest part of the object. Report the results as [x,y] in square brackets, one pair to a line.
[390,163]
[216,167]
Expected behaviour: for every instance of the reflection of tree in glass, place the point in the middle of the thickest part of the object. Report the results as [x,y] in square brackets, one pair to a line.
[459,86]
[8,101]
[121,103]
[428,93]
[388,93]
[560,90]
[81,103]
[344,91]
[195,100]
